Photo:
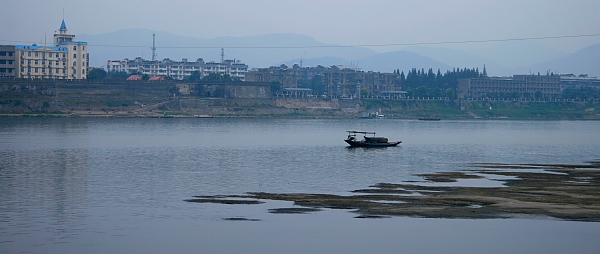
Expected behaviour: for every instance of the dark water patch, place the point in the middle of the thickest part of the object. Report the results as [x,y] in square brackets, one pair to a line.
[224,201]
[372,217]
[448,176]
[294,210]
[240,219]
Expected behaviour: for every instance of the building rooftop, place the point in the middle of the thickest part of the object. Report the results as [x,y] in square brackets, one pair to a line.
[38,47]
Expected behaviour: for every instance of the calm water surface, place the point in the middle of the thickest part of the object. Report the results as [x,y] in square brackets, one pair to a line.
[118,185]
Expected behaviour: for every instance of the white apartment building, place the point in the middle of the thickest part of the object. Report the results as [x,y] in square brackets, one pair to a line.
[177,69]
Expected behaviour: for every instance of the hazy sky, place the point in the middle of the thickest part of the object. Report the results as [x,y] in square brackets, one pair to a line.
[350,22]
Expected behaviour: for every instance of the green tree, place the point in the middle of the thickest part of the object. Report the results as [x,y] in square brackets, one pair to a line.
[97,74]
[121,75]
[217,77]
[316,85]
[194,76]
[451,93]
[275,87]
[365,92]
[422,91]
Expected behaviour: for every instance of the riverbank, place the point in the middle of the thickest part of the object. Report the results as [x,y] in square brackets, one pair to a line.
[298,108]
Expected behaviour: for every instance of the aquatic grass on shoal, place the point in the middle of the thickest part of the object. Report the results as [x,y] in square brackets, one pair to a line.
[568,192]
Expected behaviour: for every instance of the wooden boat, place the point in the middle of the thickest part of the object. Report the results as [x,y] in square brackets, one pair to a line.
[368,140]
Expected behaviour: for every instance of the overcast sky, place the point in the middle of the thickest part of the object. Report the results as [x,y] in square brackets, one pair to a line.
[350,22]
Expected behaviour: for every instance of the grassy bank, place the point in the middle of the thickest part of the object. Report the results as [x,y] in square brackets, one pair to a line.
[484,109]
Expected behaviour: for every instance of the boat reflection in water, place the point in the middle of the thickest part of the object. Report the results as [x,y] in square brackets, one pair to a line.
[368,140]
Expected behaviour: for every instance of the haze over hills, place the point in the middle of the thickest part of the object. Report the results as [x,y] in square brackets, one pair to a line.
[500,59]
[584,61]
[256,51]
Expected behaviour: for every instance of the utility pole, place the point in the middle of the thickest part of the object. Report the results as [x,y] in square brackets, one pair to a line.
[222,55]
[153,46]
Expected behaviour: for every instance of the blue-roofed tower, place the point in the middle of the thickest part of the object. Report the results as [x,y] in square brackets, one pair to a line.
[76,61]
[63,26]
[63,35]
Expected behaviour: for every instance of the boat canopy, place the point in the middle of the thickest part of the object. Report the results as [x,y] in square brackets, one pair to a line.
[360,132]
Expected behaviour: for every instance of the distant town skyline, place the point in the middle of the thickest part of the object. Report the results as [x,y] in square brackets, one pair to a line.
[351,22]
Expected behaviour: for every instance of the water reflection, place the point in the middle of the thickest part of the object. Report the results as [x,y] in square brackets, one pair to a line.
[117,185]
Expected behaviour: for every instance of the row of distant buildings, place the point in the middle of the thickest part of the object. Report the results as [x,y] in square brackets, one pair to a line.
[68,59]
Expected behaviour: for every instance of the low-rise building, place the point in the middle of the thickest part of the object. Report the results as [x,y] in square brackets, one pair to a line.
[517,86]
[334,81]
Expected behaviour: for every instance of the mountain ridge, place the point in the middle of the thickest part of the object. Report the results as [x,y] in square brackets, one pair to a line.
[267,50]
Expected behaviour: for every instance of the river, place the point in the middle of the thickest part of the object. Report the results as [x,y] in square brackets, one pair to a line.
[118,185]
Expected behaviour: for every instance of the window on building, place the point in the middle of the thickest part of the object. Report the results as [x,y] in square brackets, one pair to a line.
[57,54]
[74,71]
[75,63]
[37,62]
[43,54]
[36,54]
[28,53]
[36,69]
[74,47]
[74,55]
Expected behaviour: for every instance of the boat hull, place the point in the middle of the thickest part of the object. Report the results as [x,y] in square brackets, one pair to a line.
[354,143]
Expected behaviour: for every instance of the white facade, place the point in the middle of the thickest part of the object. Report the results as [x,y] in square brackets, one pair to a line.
[39,62]
[177,69]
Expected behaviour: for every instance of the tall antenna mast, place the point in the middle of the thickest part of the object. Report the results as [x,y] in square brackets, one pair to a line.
[222,55]
[153,46]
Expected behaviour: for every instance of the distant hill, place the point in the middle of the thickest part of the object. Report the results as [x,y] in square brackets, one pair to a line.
[584,61]
[384,62]
[256,51]
[515,54]
[267,50]
[402,60]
